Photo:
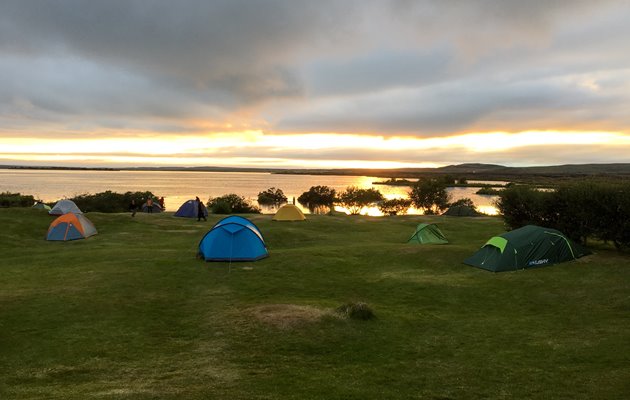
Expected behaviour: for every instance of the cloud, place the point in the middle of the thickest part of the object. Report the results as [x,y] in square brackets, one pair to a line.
[422,68]
[466,105]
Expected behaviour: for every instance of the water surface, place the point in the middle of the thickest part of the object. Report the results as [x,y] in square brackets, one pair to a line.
[178,186]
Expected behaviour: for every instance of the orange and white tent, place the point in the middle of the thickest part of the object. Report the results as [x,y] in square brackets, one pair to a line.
[70,227]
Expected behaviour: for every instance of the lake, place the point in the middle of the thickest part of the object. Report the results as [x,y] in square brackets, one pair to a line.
[178,186]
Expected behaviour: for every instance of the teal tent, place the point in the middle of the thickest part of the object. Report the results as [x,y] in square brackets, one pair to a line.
[427,234]
[527,247]
[234,238]
[462,211]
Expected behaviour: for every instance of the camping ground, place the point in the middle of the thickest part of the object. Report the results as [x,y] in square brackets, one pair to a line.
[131,314]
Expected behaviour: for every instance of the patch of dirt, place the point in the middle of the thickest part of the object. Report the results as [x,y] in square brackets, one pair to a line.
[287,316]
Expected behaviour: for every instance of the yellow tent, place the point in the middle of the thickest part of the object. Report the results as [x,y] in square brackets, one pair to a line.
[289,212]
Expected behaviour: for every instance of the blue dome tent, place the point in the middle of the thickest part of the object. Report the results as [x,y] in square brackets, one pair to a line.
[233,238]
[189,209]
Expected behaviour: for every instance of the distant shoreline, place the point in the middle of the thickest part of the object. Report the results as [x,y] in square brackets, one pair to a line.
[469,171]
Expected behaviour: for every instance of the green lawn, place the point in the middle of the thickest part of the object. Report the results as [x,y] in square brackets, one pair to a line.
[132,314]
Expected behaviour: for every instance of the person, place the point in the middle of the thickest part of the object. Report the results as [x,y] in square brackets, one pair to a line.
[150,205]
[133,207]
[200,210]
[161,201]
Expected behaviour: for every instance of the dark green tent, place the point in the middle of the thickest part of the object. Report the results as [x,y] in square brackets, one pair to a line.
[527,247]
[462,211]
[427,234]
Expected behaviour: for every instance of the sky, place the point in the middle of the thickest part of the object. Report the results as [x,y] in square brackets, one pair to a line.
[314,84]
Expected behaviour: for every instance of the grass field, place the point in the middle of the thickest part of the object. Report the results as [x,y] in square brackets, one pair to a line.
[132,314]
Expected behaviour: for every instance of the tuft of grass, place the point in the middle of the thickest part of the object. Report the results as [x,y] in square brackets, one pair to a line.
[356,310]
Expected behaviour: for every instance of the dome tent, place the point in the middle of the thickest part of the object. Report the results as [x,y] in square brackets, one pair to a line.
[41,206]
[527,247]
[289,212]
[427,234]
[70,226]
[462,211]
[233,238]
[65,207]
[155,208]
[189,209]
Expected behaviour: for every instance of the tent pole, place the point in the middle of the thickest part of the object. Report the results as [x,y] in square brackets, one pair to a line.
[231,246]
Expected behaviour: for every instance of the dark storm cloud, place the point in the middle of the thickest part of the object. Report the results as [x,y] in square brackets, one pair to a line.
[155,57]
[421,68]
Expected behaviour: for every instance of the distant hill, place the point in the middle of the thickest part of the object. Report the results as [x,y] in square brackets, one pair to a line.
[469,168]
[477,171]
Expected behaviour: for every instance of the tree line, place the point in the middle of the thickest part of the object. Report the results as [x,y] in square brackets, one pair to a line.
[591,209]
[429,195]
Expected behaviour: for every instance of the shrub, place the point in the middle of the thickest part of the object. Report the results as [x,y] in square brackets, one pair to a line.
[220,207]
[110,202]
[354,199]
[582,210]
[394,206]
[356,310]
[8,199]
[488,190]
[318,196]
[446,179]
[231,203]
[595,209]
[272,197]
[522,205]
[430,195]
[464,202]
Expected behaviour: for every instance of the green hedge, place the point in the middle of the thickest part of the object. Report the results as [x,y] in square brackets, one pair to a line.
[8,199]
[231,204]
[589,209]
[110,202]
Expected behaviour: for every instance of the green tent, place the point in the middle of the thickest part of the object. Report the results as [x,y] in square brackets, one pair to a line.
[427,234]
[41,206]
[527,247]
[462,211]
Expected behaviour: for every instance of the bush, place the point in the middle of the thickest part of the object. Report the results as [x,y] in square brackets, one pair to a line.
[588,209]
[430,195]
[394,206]
[318,196]
[522,205]
[356,310]
[354,199]
[231,204]
[220,207]
[8,199]
[272,197]
[464,202]
[596,209]
[110,202]
[488,190]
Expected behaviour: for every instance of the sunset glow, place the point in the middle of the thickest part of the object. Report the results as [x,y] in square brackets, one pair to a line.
[226,149]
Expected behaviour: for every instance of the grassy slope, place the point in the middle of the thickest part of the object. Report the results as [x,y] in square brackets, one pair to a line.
[131,314]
